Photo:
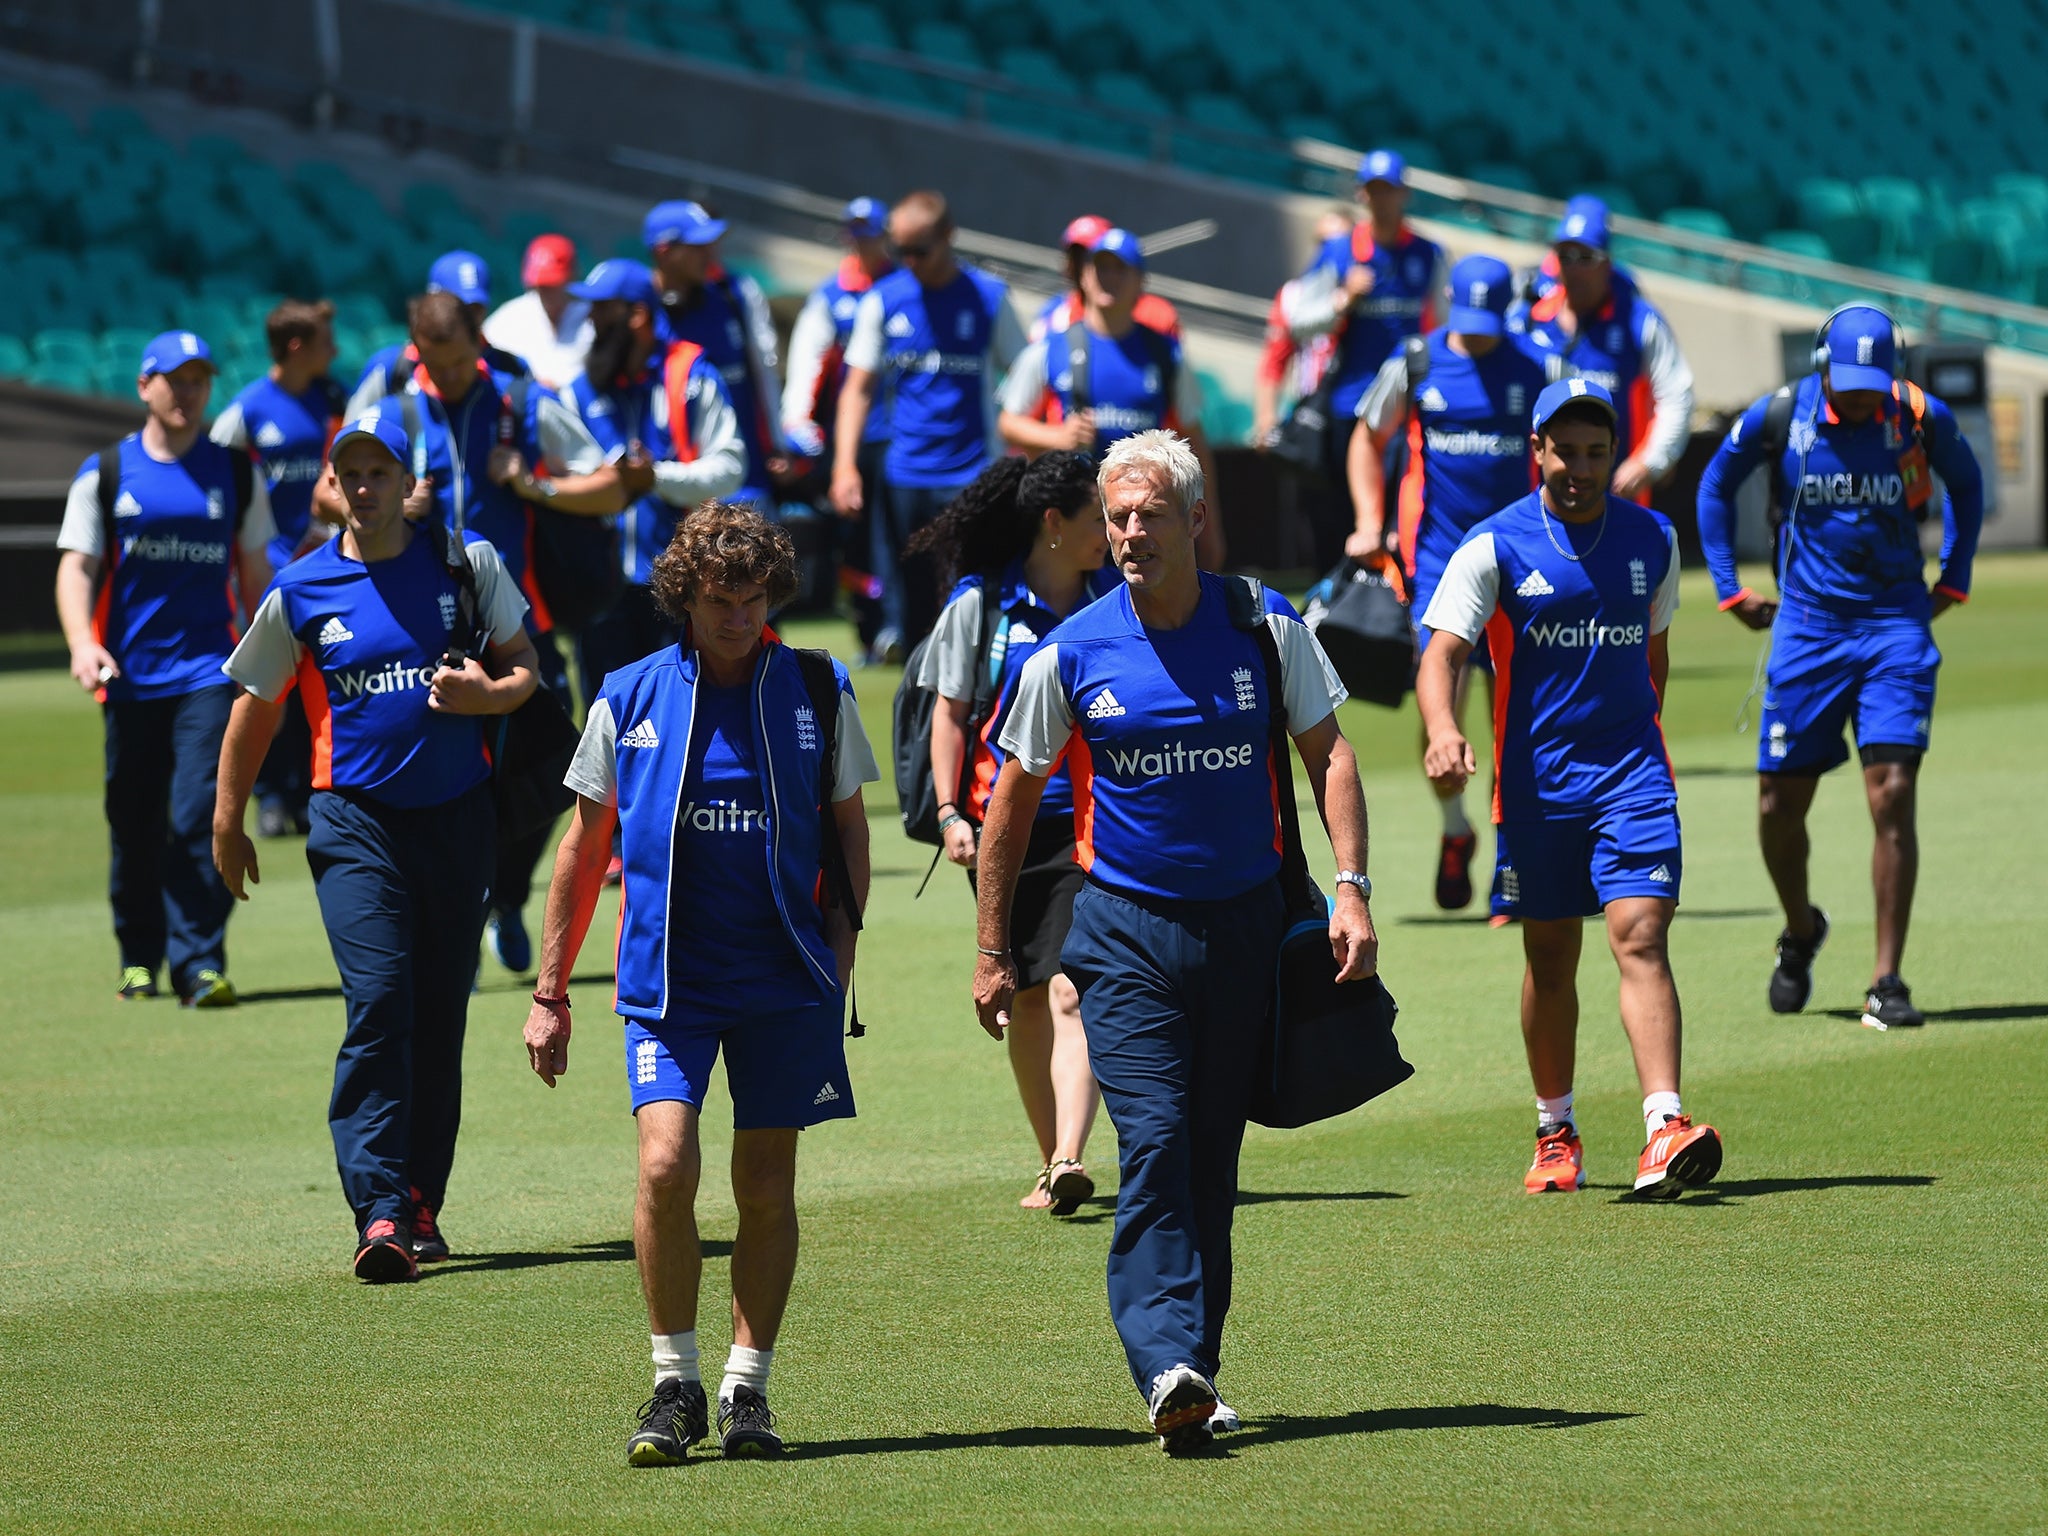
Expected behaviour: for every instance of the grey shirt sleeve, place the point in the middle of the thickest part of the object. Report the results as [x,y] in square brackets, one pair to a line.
[1384,405]
[1664,605]
[1041,716]
[81,530]
[948,664]
[258,526]
[856,757]
[1006,337]
[230,428]
[864,346]
[721,462]
[1024,386]
[565,442]
[267,656]
[1311,686]
[1469,592]
[593,770]
[499,599]
[367,394]
[1671,391]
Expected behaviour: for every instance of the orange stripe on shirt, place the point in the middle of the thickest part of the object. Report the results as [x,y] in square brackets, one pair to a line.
[319,718]
[1500,642]
[1413,486]
[1081,774]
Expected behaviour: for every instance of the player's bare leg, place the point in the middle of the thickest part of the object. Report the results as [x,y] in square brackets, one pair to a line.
[1639,931]
[1893,790]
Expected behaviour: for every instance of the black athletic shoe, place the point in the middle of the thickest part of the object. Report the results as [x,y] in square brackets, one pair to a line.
[384,1256]
[745,1426]
[1792,981]
[1182,1404]
[274,821]
[428,1245]
[1890,1006]
[671,1421]
[1454,872]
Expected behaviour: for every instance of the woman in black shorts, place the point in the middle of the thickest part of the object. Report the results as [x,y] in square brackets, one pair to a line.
[1030,539]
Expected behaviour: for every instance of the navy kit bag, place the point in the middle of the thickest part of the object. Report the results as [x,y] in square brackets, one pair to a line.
[1360,614]
[1328,1048]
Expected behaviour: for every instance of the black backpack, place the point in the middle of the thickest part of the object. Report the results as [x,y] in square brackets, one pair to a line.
[575,557]
[917,797]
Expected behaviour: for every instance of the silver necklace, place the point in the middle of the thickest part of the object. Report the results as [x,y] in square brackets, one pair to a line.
[1545,511]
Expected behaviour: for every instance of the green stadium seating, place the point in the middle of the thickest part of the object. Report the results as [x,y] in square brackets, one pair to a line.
[14,356]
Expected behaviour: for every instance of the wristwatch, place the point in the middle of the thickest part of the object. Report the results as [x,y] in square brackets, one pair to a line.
[1353,877]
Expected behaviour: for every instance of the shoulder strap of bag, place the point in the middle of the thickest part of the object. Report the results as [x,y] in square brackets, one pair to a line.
[455,560]
[1415,359]
[993,622]
[1294,881]
[822,684]
[1079,385]
[243,469]
[110,490]
[1166,360]
[1777,433]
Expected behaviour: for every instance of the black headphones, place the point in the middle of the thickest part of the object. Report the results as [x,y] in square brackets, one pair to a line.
[1821,356]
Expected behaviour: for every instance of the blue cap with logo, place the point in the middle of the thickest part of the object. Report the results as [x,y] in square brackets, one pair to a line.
[1556,397]
[387,427]
[685,223]
[1121,244]
[1859,348]
[866,217]
[1383,165]
[618,279]
[1480,289]
[1584,223]
[174,349]
[462,273]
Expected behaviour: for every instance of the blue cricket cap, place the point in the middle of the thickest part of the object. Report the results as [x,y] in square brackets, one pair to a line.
[686,223]
[618,279]
[1383,165]
[1480,289]
[385,426]
[1862,344]
[1121,244]
[1584,223]
[174,349]
[462,273]
[867,217]
[1556,397]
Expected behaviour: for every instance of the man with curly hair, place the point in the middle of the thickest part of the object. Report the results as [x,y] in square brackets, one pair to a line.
[731,765]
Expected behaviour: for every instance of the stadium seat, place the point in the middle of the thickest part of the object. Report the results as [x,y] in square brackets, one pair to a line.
[861,25]
[14,356]
[946,43]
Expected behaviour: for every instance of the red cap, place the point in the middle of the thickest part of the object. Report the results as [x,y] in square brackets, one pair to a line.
[550,262]
[1086,230]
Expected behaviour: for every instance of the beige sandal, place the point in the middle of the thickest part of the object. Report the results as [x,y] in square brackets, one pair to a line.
[1043,1187]
[1068,1184]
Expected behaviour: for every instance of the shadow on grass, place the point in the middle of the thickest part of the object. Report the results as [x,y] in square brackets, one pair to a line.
[288,994]
[34,653]
[1297,1196]
[1281,1427]
[1481,919]
[1975,1013]
[617,1251]
[1723,1190]
[1715,771]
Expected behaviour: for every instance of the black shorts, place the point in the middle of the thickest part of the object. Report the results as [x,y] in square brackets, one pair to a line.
[1044,908]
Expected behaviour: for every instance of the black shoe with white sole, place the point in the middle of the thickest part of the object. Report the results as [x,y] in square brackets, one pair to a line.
[745,1426]
[1890,1006]
[671,1421]
[1792,981]
[1182,1404]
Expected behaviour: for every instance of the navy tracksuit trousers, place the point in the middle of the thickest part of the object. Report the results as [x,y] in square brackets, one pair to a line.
[163,758]
[402,895]
[1174,995]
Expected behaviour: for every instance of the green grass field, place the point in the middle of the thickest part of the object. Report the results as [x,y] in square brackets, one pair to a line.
[1846,1333]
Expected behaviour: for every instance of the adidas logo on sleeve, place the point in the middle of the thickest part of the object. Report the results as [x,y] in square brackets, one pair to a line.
[1534,585]
[1105,706]
[899,326]
[270,435]
[125,505]
[642,735]
[333,632]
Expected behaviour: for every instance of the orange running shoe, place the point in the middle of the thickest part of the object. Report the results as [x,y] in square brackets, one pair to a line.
[1681,1156]
[1560,1163]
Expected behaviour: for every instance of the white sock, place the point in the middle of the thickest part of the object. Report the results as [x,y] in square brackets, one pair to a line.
[1656,1108]
[1557,1111]
[1455,822]
[746,1368]
[675,1354]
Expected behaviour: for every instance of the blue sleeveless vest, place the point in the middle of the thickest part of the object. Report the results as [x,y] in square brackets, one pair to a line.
[660,691]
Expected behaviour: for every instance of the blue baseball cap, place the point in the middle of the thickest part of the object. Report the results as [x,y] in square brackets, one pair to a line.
[1480,290]
[685,223]
[1383,165]
[1584,223]
[462,273]
[618,279]
[1121,244]
[866,216]
[174,349]
[1556,397]
[386,427]
[1862,344]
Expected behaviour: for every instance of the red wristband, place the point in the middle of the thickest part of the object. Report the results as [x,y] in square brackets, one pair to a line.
[1948,591]
[561,1002]
[1739,598]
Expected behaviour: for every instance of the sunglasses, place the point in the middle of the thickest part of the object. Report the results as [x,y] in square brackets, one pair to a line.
[910,252]
[1570,255]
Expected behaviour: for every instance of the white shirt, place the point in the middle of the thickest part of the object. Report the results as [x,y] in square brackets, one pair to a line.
[554,352]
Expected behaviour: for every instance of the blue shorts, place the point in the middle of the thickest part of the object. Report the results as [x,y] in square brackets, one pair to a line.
[1826,671]
[1575,866]
[783,1069]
